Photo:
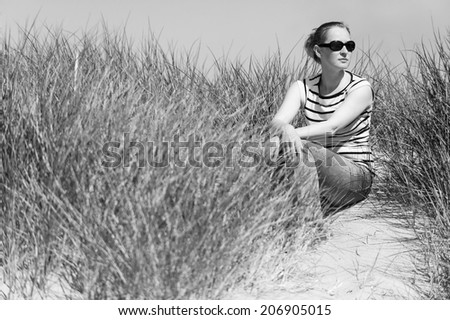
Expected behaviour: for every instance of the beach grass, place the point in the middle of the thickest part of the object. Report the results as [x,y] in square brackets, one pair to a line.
[413,141]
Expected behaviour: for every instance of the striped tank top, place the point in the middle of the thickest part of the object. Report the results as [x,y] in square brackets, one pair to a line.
[352,141]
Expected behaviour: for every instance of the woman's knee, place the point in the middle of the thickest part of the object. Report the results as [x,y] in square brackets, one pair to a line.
[343,195]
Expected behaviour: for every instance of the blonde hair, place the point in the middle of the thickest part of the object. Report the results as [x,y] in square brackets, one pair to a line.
[318,35]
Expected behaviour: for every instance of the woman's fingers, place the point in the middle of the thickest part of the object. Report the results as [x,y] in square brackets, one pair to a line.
[291,145]
[287,144]
[274,146]
[299,147]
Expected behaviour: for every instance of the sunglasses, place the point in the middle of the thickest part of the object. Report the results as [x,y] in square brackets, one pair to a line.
[338,45]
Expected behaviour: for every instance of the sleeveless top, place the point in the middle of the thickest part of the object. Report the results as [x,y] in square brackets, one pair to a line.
[352,141]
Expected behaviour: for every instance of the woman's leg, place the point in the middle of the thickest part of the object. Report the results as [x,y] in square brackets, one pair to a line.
[343,182]
[340,182]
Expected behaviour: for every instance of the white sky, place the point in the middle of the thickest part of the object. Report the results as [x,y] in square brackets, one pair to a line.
[242,27]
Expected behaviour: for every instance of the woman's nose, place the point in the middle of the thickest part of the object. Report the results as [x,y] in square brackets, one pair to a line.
[344,51]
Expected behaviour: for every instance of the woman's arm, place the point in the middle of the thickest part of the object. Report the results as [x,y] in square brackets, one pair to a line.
[290,106]
[280,125]
[355,104]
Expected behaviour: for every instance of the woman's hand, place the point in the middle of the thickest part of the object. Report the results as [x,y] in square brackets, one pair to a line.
[290,141]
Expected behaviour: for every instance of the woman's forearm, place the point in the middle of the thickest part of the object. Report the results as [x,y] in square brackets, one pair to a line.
[314,130]
[318,129]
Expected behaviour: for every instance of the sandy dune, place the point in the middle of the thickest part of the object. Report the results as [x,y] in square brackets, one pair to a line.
[365,256]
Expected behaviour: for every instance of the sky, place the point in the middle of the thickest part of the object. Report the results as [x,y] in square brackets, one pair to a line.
[238,27]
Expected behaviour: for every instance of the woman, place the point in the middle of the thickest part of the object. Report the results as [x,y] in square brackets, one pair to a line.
[337,105]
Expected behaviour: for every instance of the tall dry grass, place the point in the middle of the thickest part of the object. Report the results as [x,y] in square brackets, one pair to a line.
[132,230]
[413,140]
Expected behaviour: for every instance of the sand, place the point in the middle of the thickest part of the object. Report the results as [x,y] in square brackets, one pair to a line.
[364,256]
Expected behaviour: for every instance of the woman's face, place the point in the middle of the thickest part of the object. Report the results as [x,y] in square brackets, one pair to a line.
[335,59]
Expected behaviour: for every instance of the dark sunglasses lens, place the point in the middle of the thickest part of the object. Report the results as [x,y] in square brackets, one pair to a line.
[336,45]
[350,46]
